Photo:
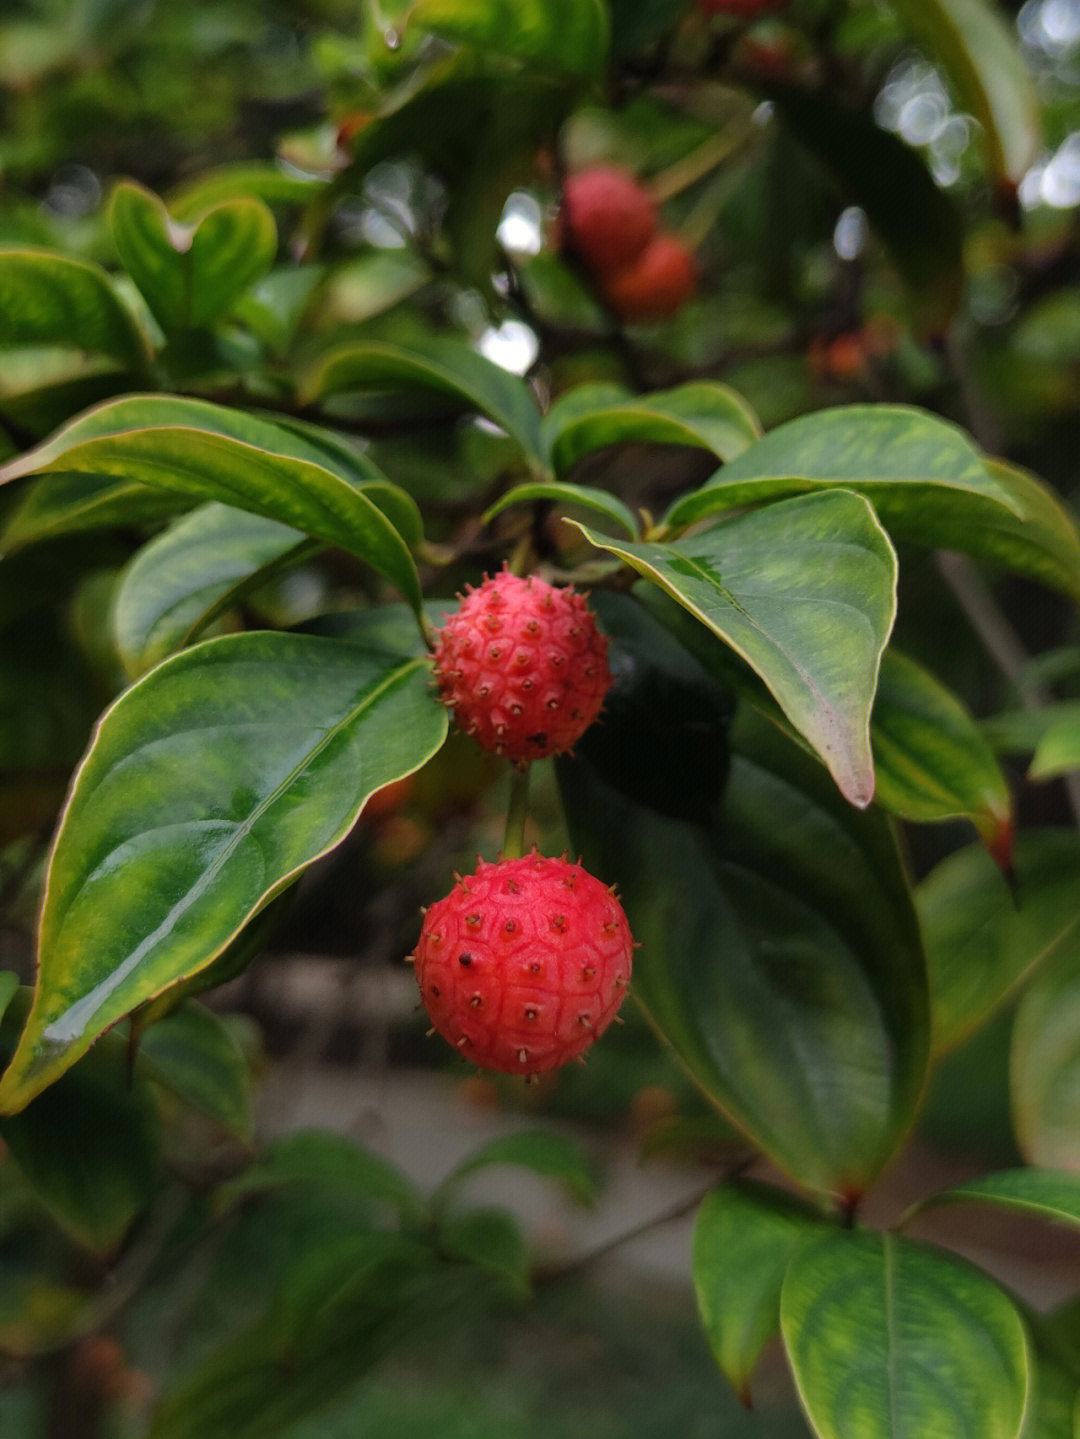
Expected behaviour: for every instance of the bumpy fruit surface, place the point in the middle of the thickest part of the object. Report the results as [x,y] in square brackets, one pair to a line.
[523,666]
[655,285]
[607,218]
[524,963]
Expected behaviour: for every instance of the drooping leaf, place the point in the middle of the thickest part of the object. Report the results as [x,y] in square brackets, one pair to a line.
[780,956]
[974,42]
[931,761]
[916,220]
[701,414]
[804,591]
[561,35]
[192,571]
[446,366]
[194,1055]
[980,941]
[490,1238]
[547,1154]
[888,1338]
[190,276]
[744,1239]
[210,784]
[1045,1063]
[586,497]
[1047,1193]
[51,299]
[59,505]
[88,1147]
[208,452]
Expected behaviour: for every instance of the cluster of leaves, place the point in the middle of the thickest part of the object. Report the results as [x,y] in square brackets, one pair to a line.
[266,396]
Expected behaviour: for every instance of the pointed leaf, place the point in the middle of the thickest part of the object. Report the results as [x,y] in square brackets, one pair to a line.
[49,299]
[1045,1063]
[209,785]
[910,463]
[744,1239]
[190,276]
[804,591]
[568,35]
[446,366]
[931,760]
[580,496]
[889,1339]
[491,1239]
[975,44]
[178,582]
[550,1155]
[780,955]
[194,1055]
[980,942]
[703,414]
[1047,1193]
[207,452]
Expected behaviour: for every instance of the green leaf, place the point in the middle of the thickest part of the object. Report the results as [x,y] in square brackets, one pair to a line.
[1058,750]
[702,414]
[744,1239]
[208,452]
[1040,540]
[49,299]
[550,1155]
[561,35]
[491,1239]
[1046,1193]
[931,761]
[9,983]
[191,276]
[980,942]
[60,504]
[210,784]
[1045,1063]
[319,1159]
[579,496]
[917,221]
[886,1338]
[1022,731]
[195,1056]
[178,582]
[780,955]
[88,1147]
[908,462]
[257,179]
[446,366]
[804,591]
[975,44]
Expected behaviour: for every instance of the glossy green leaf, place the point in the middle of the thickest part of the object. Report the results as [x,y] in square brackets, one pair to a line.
[1044,1063]
[584,497]
[908,462]
[1055,1415]
[886,1338]
[744,1239]
[207,452]
[190,276]
[210,784]
[445,366]
[178,582]
[931,761]
[780,955]
[9,983]
[50,299]
[1040,540]
[88,1147]
[701,414]
[805,592]
[73,504]
[567,35]
[319,1159]
[550,1155]
[973,41]
[491,1239]
[917,221]
[981,943]
[194,1055]
[1047,1193]
[1058,750]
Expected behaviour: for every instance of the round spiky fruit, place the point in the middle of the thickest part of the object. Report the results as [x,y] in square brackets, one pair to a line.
[523,666]
[607,218]
[524,963]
